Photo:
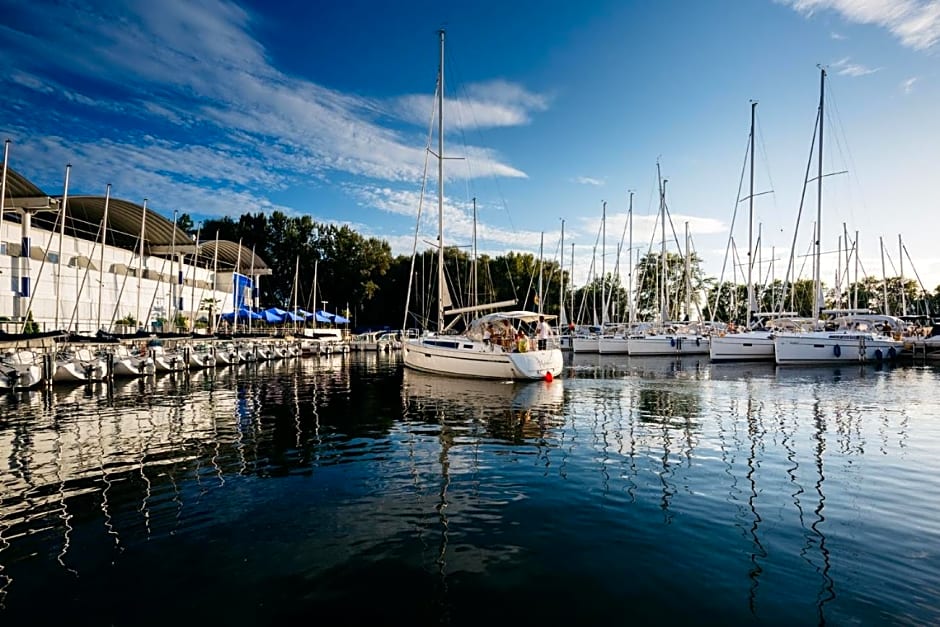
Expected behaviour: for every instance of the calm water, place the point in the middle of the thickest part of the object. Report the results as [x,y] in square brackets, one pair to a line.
[346,489]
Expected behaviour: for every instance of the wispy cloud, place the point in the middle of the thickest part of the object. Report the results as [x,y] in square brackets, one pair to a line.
[846,68]
[220,118]
[908,85]
[836,36]
[587,180]
[915,22]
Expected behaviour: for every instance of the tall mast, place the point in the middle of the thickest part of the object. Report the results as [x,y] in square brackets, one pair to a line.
[140,259]
[3,183]
[903,295]
[688,275]
[884,280]
[58,276]
[603,257]
[171,312]
[662,245]
[541,246]
[630,255]
[104,228]
[440,191]
[316,265]
[215,284]
[750,228]
[572,282]
[817,301]
[192,291]
[561,277]
[475,295]
[855,290]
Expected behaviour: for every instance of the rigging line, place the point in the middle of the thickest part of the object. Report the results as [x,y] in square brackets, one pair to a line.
[734,215]
[766,161]
[833,108]
[424,184]
[796,230]
[477,126]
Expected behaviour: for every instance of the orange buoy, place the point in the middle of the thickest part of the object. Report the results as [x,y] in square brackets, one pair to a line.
[548,377]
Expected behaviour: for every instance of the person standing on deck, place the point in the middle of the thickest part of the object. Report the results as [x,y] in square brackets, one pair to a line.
[543,331]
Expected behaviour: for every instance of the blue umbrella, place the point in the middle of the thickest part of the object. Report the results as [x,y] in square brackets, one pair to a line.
[324,316]
[273,315]
[338,319]
[243,313]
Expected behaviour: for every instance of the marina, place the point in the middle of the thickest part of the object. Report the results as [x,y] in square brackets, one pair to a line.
[653,487]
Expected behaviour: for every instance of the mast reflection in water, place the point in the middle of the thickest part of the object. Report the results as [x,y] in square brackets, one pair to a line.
[344,487]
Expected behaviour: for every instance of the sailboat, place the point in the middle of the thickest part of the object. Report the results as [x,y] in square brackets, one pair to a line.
[850,337]
[754,343]
[475,353]
[668,337]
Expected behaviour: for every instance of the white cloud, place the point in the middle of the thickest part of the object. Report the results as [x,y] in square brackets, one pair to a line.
[587,180]
[837,36]
[908,85]
[915,22]
[846,68]
[179,65]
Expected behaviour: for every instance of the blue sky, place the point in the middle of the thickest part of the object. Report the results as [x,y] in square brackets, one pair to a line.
[218,108]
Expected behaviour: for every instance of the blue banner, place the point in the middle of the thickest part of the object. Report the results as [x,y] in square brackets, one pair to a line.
[242,290]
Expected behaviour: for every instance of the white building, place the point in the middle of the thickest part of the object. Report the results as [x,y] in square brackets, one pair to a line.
[141,272]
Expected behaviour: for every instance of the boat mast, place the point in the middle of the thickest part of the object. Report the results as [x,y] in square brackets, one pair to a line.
[630,266]
[440,191]
[688,275]
[901,257]
[603,258]
[750,229]
[561,273]
[58,276]
[316,264]
[104,227]
[140,258]
[884,280]
[474,300]
[817,300]
[3,183]
[572,284]
[662,246]
[541,247]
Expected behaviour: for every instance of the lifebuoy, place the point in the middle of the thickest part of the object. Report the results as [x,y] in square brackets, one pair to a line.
[837,350]
[892,353]
[878,354]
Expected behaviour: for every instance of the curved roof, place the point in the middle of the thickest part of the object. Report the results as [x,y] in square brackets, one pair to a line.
[18,186]
[230,254]
[84,214]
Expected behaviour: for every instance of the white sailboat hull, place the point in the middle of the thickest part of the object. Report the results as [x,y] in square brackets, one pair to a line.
[584,344]
[823,347]
[133,367]
[20,371]
[462,357]
[20,377]
[748,346]
[613,345]
[669,344]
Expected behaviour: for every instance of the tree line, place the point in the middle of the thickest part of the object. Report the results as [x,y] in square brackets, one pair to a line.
[359,276]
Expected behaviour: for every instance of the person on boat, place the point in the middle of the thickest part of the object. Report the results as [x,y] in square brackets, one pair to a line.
[886,329]
[543,331]
[487,334]
[522,342]
[508,334]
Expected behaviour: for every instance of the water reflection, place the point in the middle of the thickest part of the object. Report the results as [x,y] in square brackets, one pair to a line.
[293,485]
